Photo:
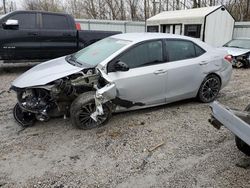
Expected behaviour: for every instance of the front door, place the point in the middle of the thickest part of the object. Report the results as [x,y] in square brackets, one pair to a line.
[145,81]
[23,42]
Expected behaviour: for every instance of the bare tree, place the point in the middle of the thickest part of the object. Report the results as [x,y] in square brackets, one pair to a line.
[132,9]
[46,5]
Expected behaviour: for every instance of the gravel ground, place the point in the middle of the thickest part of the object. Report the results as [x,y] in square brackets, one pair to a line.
[194,154]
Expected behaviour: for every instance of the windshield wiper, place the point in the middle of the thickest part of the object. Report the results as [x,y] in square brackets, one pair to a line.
[72,60]
[234,46]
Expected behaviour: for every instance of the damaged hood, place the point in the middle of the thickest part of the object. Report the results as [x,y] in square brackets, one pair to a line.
[236,51]
[46,72]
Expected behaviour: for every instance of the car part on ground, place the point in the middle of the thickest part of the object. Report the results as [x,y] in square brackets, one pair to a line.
[236,121]
[121,73]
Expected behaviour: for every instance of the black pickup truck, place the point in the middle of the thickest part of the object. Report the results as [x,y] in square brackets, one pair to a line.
[37,35]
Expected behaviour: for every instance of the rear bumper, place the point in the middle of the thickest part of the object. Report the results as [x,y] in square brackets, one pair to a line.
[234,120]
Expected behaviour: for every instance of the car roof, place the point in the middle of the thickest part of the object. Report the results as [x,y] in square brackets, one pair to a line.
[137,37]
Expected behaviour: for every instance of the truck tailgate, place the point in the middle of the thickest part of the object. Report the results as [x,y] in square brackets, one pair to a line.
[235,120]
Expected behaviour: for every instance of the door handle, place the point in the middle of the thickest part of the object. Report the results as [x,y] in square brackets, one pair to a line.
[161,71]
[203,63]
[32,33]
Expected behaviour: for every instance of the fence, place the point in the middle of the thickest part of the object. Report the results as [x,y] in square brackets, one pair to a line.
[241,29]
[112,25]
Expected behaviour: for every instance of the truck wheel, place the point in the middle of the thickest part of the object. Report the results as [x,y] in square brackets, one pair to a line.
[242,146]
[209,88]
[82,108]
[23,118]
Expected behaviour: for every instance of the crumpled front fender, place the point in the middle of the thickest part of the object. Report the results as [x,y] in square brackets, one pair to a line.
[103,95]
[108,92]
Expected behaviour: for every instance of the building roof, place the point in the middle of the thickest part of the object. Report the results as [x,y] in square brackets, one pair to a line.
[195,13]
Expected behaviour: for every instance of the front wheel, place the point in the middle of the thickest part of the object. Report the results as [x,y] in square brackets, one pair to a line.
[82,108]
[209,88]
[24,118]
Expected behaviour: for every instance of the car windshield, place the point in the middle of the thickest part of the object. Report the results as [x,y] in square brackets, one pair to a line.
[239,43]
[97,52]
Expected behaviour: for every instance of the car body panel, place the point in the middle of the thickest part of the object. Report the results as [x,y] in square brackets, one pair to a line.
[46,72]
[236,51]
[141,84]
[184,79]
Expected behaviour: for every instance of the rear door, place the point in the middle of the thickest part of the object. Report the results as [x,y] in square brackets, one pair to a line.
[21,43]
[58,37]
[184,69]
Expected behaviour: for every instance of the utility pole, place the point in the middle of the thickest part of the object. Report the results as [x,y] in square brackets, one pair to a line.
[4,6]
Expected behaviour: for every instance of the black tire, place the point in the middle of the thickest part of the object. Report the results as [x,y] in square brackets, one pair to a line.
[81,109]
[23,118]
[209,88]
[242,146]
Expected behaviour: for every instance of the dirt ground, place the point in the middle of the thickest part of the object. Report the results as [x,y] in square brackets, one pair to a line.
[194,154]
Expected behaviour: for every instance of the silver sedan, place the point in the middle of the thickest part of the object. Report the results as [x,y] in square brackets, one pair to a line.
[120,73]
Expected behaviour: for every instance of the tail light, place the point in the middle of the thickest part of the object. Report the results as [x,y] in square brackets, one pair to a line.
[78,26]
[229,58]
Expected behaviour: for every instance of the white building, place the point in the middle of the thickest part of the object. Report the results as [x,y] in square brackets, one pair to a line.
[213,25]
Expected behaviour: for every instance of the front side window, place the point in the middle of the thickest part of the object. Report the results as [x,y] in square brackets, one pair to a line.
[180,50]
[193,31]
[148,53]
[59,22]
[25,20]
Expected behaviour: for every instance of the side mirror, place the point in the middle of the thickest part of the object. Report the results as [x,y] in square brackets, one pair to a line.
[11,24]
[121,66]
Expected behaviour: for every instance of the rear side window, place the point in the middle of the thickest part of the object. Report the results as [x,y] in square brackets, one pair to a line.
[199,51]
[148,53]
[180,50]
[25,20]
[59,22]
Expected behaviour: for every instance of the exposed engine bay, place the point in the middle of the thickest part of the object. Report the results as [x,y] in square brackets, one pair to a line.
[54,99]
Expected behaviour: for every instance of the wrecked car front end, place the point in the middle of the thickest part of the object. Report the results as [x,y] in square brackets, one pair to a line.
[241,61]
[239,49]
[50,89]
[53,99]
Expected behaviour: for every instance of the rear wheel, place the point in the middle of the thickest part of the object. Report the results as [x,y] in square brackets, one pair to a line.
[209,88]
[24,118]
[82,108]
